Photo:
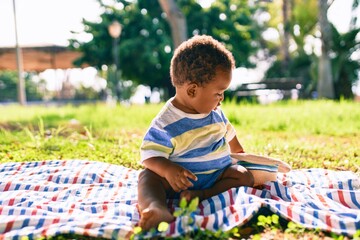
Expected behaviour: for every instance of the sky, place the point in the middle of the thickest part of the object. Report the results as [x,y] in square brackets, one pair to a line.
[44,21]
[51,21]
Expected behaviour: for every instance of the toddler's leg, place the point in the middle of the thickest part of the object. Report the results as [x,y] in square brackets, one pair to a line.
[152,200]
[234,176]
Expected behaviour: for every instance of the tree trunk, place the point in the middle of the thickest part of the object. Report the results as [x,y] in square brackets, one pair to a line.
[19,63]
[325,85]
[176,20]
[285,45]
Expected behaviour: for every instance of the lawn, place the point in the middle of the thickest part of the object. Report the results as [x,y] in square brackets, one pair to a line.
[305,134]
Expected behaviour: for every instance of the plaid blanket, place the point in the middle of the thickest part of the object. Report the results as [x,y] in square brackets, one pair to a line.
[47,198]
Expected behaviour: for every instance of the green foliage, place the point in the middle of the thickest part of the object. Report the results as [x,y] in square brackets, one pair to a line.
[300,67]
[270,226]
[357,235]
[304,20]
[186,209]
[8,87]
[345,67]
[304,64]
[269,221]
[295,228]
[231,22]
[144,22]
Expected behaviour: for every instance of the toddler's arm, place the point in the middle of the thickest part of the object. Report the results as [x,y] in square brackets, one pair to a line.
[177,176]
[235,146]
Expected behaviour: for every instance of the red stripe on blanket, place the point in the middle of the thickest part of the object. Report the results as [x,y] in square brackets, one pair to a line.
[102,175]
[234,213]
[172,228]
[341,198]
[201,208]
[71,210]
[52,175]
[326,174]
[231,197]
[293,197]
[253,191]
[19,167]
[289,210]
[127,174]
[56,220]
[34,212]
[7,186]
[308,181]
[86,229]
[44,231]
[9,226]
[88,191]
[79,172]
[116,192]
[328,222]
[105,206]
[46,228]
[322,200]
[11,202]
[204,222]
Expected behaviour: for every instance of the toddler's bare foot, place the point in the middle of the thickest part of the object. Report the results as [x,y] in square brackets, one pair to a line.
[191,194]
[153,215]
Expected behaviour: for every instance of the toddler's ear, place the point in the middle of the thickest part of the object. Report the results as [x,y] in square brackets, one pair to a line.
[191,90]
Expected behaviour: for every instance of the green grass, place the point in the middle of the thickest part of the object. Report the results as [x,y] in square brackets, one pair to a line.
[306,134]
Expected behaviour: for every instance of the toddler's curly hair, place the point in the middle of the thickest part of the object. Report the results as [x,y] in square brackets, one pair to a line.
[197,59]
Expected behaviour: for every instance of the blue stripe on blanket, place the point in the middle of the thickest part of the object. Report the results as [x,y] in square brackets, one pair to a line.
[47,198]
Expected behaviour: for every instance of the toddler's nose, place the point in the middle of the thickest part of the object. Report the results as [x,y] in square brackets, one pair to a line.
[222,97]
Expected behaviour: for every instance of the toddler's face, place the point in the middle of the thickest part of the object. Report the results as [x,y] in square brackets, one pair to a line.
[210,96]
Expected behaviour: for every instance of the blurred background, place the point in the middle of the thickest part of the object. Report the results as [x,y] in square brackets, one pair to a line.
[119,51]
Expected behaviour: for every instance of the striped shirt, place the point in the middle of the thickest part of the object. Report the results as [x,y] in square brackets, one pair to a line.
[198,142]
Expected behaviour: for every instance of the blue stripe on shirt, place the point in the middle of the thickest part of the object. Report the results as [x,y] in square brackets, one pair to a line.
[185,124]
[159,137]
[195,167]
[198,152]
[224,118]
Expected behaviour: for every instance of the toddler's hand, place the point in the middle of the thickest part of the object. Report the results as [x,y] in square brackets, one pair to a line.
[178,177]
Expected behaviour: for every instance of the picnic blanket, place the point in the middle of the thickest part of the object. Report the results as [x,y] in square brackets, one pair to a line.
[90,198]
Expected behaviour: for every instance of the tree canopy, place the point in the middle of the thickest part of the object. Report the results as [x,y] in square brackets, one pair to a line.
[145,45]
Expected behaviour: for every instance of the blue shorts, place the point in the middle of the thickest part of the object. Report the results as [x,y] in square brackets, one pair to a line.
[206,180]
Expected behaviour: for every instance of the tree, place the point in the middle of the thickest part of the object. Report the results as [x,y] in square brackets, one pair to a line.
[233,23]
[325,87]
[299,24]
[147,43]
[287,32]
[303,22]
[344,67]
[8,87]
[8,83]
[176,20]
